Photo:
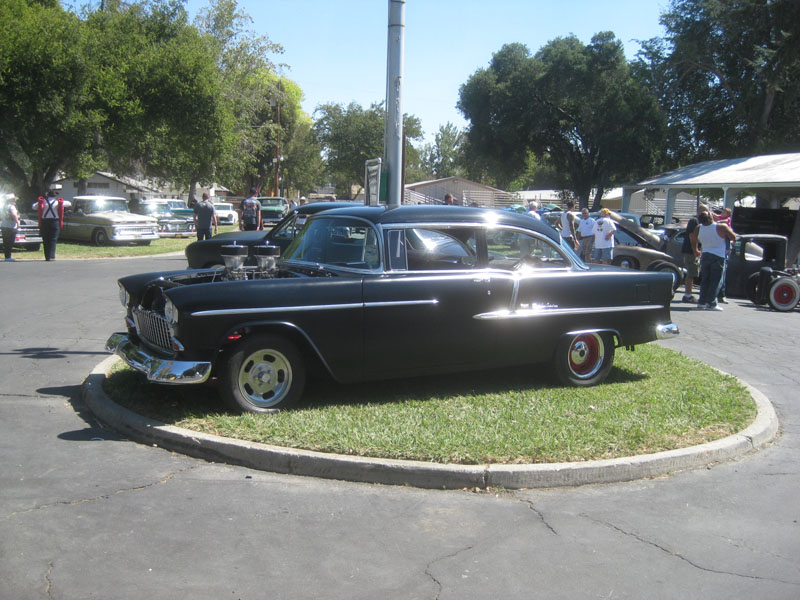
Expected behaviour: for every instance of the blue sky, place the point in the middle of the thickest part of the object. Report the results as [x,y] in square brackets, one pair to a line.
[336,49]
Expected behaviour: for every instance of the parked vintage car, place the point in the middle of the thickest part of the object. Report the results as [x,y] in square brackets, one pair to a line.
[757,269]
[203,254]
[104,220]
[169,225]
[179,208]
[273,208]
[368,292]
[637,247]
[27,237]
[226,213]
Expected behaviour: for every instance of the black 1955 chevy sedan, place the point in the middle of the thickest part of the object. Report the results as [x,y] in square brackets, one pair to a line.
[373,293]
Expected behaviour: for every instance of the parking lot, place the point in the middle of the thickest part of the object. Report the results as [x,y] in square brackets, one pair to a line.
[85,513]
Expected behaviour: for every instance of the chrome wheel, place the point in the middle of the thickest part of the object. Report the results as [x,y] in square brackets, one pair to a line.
[265,378]
[264,373]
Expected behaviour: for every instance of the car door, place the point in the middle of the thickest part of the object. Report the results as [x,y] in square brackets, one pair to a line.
[423,314]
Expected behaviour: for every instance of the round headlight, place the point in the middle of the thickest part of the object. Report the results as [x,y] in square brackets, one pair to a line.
[170,312]
[123,296]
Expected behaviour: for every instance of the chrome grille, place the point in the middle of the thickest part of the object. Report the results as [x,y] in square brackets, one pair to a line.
[152,327]
[134,229]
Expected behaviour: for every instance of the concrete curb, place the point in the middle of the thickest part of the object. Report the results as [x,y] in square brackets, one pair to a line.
[422,474]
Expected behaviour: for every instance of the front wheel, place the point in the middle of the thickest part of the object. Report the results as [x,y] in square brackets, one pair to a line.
[626,262]
[100,237]
[784,294]
[264,373]
[584,359]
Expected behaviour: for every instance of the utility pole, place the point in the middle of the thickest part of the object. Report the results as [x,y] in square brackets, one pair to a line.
[393,132]
[277,160]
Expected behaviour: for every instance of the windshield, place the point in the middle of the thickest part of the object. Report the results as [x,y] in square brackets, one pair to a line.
[223,207]
[341,242]
[176,204]
[272,201]
[156,209]
[105,205]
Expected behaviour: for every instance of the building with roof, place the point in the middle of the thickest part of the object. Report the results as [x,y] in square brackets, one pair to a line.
[773,178]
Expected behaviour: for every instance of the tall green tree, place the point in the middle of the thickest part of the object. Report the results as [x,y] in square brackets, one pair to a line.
[254,94]
[48,121]
[444,157]
[350,135]
[303,168]
[576,107]
[161,91]
[726,75]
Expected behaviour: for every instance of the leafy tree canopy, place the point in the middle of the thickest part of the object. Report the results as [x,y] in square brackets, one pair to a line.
[576,107]
[726,74]
[350,135]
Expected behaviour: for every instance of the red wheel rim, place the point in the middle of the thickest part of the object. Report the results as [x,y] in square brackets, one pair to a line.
[585,354]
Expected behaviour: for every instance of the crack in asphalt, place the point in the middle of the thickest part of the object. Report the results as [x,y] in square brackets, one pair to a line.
[49,587]
[435,560]
[106,496]
[679,556]
[540,515]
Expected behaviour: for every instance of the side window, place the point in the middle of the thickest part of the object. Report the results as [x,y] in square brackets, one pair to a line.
[509,249]
[429,249]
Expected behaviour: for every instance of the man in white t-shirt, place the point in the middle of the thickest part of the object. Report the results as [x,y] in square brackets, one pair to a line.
[604,229]
[568,226]
[586,235]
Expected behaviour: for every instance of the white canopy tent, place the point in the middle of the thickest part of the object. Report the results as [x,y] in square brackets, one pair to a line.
[772,176]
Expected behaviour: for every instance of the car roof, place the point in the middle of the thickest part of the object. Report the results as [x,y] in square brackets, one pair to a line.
[410,214]
[99,198]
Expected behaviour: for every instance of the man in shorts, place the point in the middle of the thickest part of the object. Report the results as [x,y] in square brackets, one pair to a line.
[604,229]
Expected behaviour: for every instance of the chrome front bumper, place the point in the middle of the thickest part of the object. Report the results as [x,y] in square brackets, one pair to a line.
[666,331]
[159,370]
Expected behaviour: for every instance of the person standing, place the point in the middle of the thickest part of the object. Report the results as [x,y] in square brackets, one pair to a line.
[690,262]
[10,225]
[533,208]
[204,216]
[250,212]
[724,217]
[568,226]
[51,220]
[448,199]
[586,235]
[604,229]
[712,236]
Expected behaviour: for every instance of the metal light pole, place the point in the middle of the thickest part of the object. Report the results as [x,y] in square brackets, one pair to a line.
[277,160]
[393,133]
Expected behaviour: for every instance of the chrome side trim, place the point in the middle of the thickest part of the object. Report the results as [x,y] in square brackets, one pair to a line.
[157,369]
[547,312]
[284,309]
[666,331]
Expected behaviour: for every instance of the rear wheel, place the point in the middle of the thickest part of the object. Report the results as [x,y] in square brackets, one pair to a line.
[677,277]
[584,359]
[264,373]
[784,293]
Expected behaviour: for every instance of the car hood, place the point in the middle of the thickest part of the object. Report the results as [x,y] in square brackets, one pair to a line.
[114,217]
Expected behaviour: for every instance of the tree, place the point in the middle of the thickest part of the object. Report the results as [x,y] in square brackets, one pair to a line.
[351,135]
[47,118]
[576,107]
[726,75]
[444,157]
[161,91]
[253,93]
[303,169]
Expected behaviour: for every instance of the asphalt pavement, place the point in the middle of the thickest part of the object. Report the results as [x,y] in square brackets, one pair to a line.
[87,513]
